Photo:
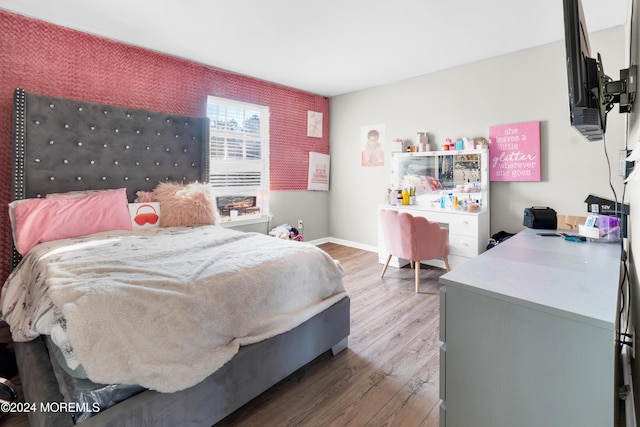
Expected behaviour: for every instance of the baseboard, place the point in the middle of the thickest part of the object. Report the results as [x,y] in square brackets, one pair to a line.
[317,242]
[344,243]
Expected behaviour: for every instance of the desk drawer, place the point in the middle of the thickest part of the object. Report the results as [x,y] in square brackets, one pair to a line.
[443,372]
[432,216]
[466,225]
[463,245]
[443,314]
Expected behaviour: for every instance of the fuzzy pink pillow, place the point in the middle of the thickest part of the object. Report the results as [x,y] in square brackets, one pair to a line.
[190,204]
[145,197]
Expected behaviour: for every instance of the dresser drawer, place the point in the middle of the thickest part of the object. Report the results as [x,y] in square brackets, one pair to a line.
[456,261]
[443,314]
[443,371]
[466,225]
[463,245]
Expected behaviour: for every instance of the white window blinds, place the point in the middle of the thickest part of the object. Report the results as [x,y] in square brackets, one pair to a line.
[239,147]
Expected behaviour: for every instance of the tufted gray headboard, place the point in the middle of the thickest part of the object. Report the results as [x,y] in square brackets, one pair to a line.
[66,145]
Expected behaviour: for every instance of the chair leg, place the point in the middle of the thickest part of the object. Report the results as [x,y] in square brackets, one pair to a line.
[385,266]
[446,262]
[411,262]
[417,276]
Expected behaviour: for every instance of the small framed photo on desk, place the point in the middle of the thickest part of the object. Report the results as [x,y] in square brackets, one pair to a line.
[591,221]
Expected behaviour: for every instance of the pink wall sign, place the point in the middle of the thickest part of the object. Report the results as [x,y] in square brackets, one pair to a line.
[514,152]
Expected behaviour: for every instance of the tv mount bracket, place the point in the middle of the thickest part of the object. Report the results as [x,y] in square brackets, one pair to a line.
[622,92]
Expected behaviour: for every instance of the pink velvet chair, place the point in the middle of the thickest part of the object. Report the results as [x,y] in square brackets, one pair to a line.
[413,238]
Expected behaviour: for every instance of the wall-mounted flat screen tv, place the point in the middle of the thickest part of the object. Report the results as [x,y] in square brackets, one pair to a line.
[582,74]
[592,94]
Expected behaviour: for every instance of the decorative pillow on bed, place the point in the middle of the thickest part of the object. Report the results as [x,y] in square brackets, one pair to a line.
[145,197]
[43,220]
[144,215]
[190,204]
[71,194]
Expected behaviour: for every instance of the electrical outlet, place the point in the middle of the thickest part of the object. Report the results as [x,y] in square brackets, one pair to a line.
[625,168]
[300,224]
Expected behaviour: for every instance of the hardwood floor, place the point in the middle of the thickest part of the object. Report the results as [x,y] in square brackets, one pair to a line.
[389,375]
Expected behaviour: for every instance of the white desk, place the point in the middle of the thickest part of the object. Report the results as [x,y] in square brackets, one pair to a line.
[528,330]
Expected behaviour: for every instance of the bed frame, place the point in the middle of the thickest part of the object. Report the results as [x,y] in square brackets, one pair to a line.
[63,145]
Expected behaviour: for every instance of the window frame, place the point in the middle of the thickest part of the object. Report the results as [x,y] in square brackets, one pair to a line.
[243,167]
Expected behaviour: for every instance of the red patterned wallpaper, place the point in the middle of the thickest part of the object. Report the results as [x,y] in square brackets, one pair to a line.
[49,59]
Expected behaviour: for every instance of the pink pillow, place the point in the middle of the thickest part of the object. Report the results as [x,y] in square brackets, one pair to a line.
[43,220]
[190,204]
[71,194]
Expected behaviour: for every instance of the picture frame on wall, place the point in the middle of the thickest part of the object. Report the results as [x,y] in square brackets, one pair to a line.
[314,124]
[514,152]
[319,165]
[372,143]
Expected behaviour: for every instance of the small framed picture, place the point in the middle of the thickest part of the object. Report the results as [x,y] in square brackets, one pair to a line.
[592,221]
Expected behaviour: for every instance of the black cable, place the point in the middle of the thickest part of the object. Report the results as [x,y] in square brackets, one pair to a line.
[619,212]
[623,303]
[625,276]
[606,155]
[619,332]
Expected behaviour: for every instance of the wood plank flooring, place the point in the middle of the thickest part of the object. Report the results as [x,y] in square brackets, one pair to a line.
[389,374]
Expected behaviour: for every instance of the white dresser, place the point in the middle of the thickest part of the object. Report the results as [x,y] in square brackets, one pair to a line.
[528,331]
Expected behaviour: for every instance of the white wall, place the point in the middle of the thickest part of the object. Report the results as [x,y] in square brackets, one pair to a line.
[633,191]
[287,207]
[529,85]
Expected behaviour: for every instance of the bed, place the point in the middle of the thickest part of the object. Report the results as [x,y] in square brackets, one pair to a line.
[63,145]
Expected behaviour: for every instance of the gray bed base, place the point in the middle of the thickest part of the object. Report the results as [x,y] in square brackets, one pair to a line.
[65,144]
[252,371]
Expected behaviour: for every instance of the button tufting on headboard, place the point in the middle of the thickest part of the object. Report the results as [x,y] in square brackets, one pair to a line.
[64,145]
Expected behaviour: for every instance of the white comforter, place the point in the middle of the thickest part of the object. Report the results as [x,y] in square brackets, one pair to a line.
[165,308]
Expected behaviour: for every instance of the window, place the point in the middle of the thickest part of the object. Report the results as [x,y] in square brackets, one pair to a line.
[239,151]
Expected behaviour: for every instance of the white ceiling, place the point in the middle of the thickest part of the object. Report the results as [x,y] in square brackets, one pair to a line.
[327,47]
